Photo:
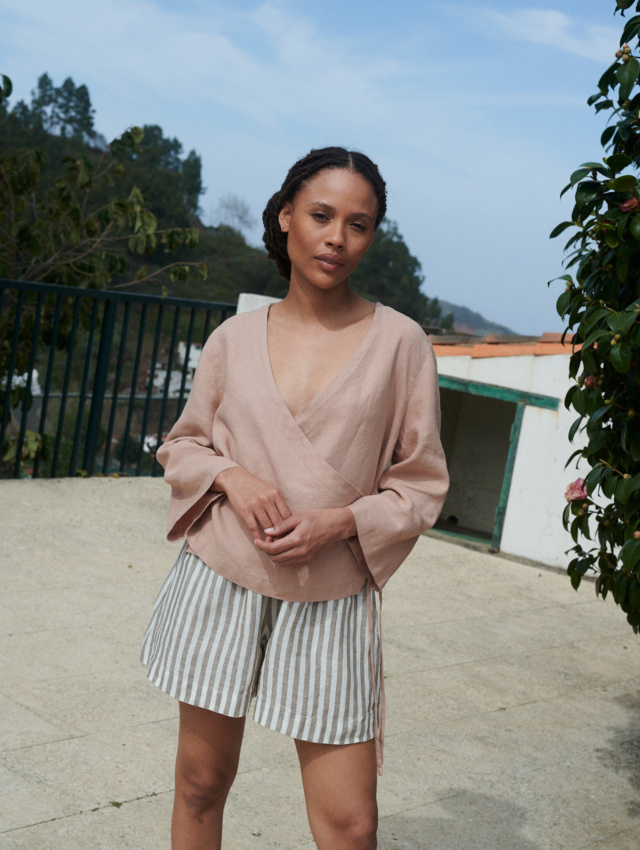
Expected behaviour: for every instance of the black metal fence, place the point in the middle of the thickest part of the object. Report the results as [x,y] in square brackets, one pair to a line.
[90,381]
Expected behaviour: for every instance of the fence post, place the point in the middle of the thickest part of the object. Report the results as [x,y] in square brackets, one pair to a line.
[99,385]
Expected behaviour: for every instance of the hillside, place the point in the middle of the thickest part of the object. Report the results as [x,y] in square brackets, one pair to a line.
[467,322]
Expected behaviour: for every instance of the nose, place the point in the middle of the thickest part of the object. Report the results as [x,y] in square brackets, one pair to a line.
[335,236]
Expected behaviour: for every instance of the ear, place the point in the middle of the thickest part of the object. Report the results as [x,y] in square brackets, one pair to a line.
[285,217]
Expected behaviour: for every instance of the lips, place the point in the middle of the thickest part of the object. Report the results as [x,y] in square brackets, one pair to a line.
[330,262]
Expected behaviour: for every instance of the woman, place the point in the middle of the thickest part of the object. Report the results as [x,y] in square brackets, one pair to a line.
[304,466]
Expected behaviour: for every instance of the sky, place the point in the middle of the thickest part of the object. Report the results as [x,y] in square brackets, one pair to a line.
[475,113]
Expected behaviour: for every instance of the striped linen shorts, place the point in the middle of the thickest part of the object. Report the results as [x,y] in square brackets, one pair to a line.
[310,665]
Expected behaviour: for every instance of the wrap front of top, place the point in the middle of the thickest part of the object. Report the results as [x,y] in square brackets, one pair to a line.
[370,440]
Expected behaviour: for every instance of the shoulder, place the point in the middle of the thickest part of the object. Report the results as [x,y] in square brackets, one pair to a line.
[241,323]
[403,334]
[240,329]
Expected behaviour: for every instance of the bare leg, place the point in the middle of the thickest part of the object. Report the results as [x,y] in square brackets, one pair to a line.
[206,765]
[340,791]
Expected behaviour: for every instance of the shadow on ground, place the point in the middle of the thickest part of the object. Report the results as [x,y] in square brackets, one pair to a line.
[470,821]
[623,753]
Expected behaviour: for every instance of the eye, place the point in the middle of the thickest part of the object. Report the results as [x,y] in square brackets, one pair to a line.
[319,216]
[358,225]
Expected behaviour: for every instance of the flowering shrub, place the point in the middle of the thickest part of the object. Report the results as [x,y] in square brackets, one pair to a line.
[576,491]
[601,303]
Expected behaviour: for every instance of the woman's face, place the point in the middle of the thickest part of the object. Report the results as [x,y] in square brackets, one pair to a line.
[330,223]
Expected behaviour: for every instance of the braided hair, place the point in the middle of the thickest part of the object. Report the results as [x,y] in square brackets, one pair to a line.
[303,170]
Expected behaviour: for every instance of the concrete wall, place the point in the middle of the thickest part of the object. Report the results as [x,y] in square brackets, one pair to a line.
[533,521]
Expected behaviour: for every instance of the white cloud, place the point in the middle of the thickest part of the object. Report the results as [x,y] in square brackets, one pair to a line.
[555,29]
[288,71]
[252,90]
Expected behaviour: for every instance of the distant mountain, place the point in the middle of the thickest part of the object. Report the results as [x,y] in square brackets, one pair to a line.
[465,321]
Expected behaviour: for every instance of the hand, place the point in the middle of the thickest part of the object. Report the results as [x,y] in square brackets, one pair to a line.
[258,504]
[303,536]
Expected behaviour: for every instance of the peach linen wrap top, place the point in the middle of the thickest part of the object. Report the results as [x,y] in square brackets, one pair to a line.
[369,440]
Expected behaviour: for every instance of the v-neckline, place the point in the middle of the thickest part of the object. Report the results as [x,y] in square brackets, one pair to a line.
[344,372]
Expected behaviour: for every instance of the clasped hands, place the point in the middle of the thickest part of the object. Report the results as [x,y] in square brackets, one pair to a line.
[292,540]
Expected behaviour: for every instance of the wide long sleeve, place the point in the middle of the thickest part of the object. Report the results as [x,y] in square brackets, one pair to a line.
[189,458]
[411,491]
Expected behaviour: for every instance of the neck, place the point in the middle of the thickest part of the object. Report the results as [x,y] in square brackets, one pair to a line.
[309,303]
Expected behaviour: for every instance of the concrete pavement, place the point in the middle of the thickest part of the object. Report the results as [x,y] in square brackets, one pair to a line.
[513,702]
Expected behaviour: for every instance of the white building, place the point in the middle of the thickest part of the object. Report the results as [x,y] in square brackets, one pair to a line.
[504,431]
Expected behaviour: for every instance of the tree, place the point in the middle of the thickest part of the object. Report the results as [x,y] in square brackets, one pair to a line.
[602,302]
[172,186]
[75,231]
[390,273]
[234,212]
[65,110]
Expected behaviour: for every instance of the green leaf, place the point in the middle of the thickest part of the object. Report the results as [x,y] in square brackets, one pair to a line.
[588,191]
[599,414]
[593,479]
[621,323]
[634,227]
[589,361]
[627,74]
[599,441]
[584,527]
[611,238]
[620,588]
[579,402]
[630,30]
[579,174]
[7,87]
[618,161]
[630,554]
[623,184]
[563,302]
[567,398]
[605,138]
[622,267]
[593,336]
[591,317]
[574,429]
[624,4]
[560,229]
[575,528]
[620,357]
[624,488]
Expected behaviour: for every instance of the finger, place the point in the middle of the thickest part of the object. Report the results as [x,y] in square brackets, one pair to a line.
[278,512]
[264,520]
[251,521]
[283,507]
[283,527]
[275,548]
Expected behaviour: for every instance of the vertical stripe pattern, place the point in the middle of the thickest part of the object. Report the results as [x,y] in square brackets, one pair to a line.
[214,644]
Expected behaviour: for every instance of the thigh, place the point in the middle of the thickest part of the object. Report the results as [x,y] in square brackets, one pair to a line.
[208,745]
[340,781]
[320,681]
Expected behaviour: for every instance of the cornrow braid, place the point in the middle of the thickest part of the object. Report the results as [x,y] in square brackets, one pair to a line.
[304,169]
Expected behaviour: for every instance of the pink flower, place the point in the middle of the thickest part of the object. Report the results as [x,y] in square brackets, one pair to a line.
[629,205]
[591,382]
[576,492]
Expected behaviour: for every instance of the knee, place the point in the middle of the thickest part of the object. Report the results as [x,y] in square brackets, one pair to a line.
[204,789]
[358,830]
